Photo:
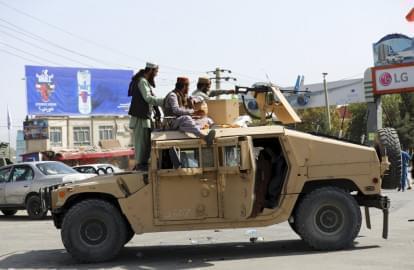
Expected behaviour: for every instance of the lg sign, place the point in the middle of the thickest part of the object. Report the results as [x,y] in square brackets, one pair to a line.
[386,78]
[393,79]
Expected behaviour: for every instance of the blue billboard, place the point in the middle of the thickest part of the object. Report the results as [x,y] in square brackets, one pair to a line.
[77,91]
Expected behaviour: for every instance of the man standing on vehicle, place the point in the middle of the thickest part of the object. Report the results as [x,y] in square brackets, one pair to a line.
[142,103]
[177,105]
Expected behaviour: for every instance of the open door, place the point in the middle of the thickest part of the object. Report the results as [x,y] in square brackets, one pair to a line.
[236,177]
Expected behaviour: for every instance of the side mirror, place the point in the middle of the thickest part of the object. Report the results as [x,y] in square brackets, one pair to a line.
[175,157]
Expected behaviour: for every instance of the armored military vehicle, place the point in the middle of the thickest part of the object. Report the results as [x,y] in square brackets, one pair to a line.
[250,177]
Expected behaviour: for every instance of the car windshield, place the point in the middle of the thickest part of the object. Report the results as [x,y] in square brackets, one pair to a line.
[52,168]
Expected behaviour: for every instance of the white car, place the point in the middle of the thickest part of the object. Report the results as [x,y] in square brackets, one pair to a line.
[98,169]
[20,184]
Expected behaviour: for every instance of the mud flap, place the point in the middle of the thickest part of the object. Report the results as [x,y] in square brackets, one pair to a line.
[380,202]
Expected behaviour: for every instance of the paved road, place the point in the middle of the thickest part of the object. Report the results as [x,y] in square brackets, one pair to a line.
[37,245]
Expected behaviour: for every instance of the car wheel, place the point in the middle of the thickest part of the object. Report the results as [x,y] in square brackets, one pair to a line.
[109,170]
[34,209]
[93,231]
[8,212]
[328,219]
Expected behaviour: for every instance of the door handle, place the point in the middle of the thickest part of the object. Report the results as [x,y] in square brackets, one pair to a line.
[203,179]
[25,186]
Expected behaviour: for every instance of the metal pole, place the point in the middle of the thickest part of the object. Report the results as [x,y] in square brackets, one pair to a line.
[328,115]
[217,78]
[9,146]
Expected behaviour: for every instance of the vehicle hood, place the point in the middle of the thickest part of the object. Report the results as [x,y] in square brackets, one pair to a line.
[119,185]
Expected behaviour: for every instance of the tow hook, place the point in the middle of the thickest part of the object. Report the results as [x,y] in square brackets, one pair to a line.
[380,202]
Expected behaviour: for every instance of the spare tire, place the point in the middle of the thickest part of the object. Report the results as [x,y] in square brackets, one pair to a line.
[388,143]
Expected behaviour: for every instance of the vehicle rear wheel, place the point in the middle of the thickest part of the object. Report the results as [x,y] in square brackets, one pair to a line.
[34,209]
[389,143]
[294,228]
[93,231]
[328,219]
[8,212]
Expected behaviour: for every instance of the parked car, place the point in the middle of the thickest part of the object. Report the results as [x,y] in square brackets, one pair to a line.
[20,184]
[5,161]
[99,169]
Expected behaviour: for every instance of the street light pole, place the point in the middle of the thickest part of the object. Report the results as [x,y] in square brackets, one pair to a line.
[325,88]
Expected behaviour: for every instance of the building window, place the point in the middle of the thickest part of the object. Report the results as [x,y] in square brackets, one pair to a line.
[55,136]
[106,132]
[81,136]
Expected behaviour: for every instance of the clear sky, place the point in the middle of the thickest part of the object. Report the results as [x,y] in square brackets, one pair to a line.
[188,38]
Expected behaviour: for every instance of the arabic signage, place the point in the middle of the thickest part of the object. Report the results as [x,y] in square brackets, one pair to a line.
[393,79]
[77,91]
[35,129]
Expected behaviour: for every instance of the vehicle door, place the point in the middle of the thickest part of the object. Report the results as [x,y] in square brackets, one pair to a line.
[18,187]
[187,191]
[236,177]
[4,178]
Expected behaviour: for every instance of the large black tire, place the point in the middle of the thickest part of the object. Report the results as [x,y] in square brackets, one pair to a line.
[129,233]
[294,228]
[93,231]
[328,218]
[34,209]
[389,143]
[8,212]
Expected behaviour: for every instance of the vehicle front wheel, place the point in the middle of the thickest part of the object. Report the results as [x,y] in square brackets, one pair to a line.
[93,231]
[328,218]
[34,209]
[8,212]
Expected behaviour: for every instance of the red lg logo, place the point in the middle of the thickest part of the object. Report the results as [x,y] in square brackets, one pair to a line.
[385,79]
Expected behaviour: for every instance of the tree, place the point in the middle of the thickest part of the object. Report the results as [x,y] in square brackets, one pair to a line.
[314,120]
[358,124]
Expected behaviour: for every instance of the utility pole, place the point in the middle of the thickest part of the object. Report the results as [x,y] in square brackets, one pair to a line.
[217,72]
[325,88]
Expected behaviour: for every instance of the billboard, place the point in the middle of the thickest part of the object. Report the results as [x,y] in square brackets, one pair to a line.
[77,91]
[393,49]
[393,79]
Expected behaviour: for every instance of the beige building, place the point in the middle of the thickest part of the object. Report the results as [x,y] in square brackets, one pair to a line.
[81,133]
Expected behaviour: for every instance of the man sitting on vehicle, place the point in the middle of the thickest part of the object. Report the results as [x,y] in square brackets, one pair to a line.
[178,105]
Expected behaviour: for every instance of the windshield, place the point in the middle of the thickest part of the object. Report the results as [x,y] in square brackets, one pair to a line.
[53,168]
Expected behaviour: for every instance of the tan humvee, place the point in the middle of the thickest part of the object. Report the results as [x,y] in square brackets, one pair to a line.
[249,177]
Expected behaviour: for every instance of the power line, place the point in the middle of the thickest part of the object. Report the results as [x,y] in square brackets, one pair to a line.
[21,57]
[40,38]
[22,51]
[88,40]
[41,48]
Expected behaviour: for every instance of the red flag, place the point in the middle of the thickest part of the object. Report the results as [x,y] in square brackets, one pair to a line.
[410,15]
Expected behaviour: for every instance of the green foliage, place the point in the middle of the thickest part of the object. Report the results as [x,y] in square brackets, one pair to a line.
[314,120]
[358,123]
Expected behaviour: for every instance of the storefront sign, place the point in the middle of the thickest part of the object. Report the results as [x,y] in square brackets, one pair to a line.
[393,79]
